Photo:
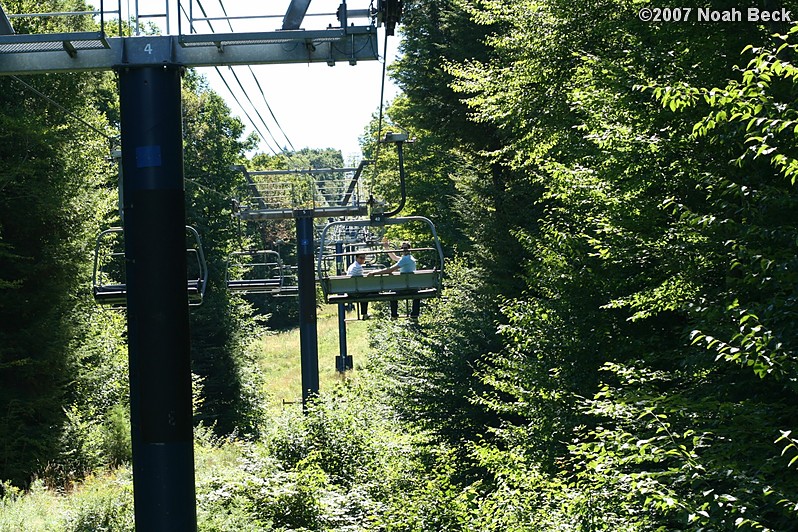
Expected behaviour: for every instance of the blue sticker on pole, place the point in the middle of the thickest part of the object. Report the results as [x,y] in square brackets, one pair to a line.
[148,156]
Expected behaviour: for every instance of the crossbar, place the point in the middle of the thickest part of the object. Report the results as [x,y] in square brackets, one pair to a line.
[258,48]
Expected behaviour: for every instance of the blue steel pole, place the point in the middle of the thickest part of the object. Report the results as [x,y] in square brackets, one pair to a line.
[157,304]
[340,361]
[306,276]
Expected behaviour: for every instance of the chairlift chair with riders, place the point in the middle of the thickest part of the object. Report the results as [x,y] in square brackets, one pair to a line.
[425,282]
[109,285]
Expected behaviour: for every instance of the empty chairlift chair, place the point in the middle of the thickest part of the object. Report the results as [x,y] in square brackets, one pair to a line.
[425,282]
[290,285]
[255,272]
[108,279]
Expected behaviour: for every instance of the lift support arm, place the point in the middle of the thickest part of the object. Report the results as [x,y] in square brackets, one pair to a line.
[5,25]
[295,14]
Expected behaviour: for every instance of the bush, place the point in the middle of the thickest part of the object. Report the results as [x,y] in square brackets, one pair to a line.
[116,439]
[101,504]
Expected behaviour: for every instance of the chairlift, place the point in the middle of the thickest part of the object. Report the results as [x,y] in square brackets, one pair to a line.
[108,278]
[290,286]
[254,272]
[352,235]
[260,272]
[425,282]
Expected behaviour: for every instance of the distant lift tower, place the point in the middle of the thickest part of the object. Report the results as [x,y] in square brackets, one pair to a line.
[307,195]
[149,69]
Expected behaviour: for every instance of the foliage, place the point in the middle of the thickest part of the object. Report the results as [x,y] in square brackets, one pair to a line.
[645,233]
[332,468]
[99,503]
[343,466]
[479,202]
[221,327]
[96,432]
[430,369]
[53,200]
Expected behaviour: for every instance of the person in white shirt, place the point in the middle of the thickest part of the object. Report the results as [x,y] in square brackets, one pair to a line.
[356,270]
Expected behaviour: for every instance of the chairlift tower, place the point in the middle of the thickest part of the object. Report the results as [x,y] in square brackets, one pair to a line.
[149,68]
[304,195]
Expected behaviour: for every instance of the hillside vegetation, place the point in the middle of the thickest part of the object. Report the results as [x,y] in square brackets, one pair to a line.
[615,347]
[327,469]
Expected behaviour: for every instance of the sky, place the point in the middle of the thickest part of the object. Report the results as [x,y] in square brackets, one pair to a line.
[316,105]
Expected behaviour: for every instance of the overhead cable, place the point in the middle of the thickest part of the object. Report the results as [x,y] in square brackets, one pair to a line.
[206,188]
[257,83]
[230,90]
[246,94]
[254,125]
[64,109]
[269,107]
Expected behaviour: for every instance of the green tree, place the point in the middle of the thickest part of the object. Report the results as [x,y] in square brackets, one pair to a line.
[53,198]
[476,206]
[630,255]
[449,160]
[222,326]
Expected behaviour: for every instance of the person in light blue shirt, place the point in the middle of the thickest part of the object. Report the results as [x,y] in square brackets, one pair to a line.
[405,264]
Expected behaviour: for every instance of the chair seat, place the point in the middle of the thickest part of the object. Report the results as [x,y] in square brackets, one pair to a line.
[419,284]
[254,285]
[115,295]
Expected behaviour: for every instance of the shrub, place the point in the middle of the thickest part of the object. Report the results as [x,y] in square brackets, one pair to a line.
[102,504]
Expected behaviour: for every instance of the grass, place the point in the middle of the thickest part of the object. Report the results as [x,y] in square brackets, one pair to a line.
[104,502]
[278,355]
[33,511]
